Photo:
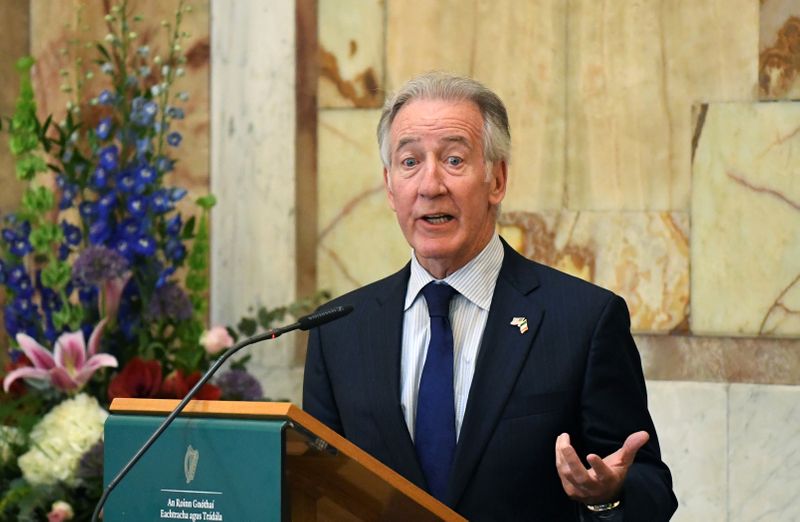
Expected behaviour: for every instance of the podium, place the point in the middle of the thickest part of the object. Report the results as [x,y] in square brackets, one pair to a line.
[250,461]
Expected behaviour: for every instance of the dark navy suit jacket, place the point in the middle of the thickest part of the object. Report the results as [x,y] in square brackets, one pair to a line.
[575,370]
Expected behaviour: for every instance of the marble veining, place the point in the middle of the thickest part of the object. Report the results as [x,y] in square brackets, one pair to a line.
[350,54]
[763,453]
[779,49]
[642,256]
[746,221]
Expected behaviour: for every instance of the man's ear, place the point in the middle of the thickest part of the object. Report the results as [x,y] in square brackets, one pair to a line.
[387,184]
[499,182]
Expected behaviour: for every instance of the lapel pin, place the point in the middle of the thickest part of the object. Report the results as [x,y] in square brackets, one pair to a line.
[521,322]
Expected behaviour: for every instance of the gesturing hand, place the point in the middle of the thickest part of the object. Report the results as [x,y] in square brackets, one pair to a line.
[602,482]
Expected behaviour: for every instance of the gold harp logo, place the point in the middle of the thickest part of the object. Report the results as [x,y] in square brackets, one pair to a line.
[190,463]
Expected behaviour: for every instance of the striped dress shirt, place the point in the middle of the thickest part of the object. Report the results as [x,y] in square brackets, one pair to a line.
[469,310]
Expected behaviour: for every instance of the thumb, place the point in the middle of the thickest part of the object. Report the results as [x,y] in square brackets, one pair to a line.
[632,445]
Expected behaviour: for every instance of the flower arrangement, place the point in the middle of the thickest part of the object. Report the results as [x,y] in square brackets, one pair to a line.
[99,250]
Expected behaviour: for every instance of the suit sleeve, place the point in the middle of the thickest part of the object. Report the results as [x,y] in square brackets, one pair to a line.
[318,399]
[614,405]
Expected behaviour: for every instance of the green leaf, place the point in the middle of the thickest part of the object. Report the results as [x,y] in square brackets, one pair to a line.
[207,202]
[247,326]
[188,228]
[38,199]
[25,63]
[56,275]
[104,52]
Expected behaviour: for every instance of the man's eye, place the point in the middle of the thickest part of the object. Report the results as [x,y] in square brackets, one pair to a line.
[408,162]
[454,161]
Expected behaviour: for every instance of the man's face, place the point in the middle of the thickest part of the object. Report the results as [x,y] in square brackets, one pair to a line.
[437,183]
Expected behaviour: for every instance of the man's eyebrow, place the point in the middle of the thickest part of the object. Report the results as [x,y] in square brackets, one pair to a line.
[405,141]
[457,139]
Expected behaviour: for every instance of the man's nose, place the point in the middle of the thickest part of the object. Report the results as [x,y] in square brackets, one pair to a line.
[432,180]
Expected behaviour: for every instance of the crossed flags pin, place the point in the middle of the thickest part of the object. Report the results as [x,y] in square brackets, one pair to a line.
[521,322]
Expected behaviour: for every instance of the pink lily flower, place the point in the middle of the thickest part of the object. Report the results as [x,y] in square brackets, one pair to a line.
[69,367]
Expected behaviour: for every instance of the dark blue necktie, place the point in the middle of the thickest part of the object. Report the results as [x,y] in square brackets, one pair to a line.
[435,432]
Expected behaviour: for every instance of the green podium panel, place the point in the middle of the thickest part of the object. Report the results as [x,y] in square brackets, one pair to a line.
[217,469]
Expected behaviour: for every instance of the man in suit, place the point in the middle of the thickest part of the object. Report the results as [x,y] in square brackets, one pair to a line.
[477,374]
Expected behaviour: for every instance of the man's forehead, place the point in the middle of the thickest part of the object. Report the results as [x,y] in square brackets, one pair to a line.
[451,121]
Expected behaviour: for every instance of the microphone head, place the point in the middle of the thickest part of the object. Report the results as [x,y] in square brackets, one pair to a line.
[324,316]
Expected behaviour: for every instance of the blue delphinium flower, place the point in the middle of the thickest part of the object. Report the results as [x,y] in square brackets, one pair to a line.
[137,206]
[106,97]
[143,111]
[68,193]
[130,228]
[144,245]
[72,234]
[21,246]
[143,147]
[177,194]
[103,128]
[106,204]
[99,179]
[163,277]
[174,225]
[109,157]
[88,210]
[97,264]
[175,250]
[123,247]
[174,138]
[175,113]
[99,232]
[145,175]
[164,164]
[126,181]
[160,202]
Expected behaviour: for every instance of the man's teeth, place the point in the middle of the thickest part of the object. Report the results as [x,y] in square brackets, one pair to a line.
[438,219]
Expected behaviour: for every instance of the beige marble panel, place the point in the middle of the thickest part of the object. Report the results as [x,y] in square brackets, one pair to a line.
[745,251]
[351,51]
[359,240]
[691,421]
[642,256]
[58,26]
[634,71]
[516,49]
[253,173]
[779,49]
[720,359]
[764,453]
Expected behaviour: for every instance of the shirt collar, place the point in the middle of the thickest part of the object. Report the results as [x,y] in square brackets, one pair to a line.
[475,280]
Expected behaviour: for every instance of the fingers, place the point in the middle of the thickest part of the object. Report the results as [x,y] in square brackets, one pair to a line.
[604,478]
[632,445]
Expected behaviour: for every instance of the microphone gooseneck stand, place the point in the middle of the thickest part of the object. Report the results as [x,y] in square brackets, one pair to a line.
[304,323]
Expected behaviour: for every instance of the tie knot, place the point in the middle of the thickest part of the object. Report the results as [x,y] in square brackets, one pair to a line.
[438,298]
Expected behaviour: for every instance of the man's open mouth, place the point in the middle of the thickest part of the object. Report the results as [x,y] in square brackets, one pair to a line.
[437,219]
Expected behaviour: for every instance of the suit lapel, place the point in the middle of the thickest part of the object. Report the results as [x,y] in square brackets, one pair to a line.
[503,352]
[382,342]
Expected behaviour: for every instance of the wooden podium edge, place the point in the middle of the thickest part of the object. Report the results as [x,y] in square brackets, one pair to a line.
[288,410]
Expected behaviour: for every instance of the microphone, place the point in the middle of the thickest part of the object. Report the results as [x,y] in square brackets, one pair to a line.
[304,323]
